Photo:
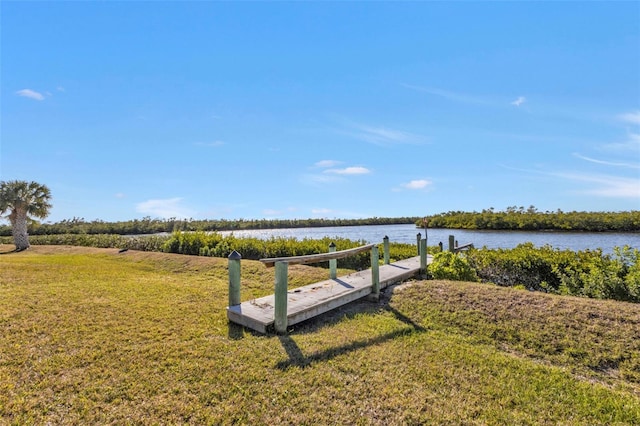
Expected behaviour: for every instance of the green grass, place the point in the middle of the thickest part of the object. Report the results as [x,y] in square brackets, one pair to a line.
[90,336]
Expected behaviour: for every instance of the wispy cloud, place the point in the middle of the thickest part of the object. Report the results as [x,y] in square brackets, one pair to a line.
[417,184]
[632,144]
[120,195]
[607,163]
[382,136]
[331,174]
[449,95]
[327,163]
[31,94]
[519,101]
[166,208]
[606,185]
[357,170]
[414,185]
[631,117]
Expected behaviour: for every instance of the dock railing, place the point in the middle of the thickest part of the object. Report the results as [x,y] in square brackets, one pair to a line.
[281,265]
[282,269]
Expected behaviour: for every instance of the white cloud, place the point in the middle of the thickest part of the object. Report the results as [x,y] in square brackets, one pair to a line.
[519,101]
[60,89]
[631,117]
[383,135]
[120,195]
[165,209]
[417,184]
[452,96]
[331,175]
[379,135]
[633,144]
[349,171]
[327,163]
[31,94]
[607,163]
[606,185]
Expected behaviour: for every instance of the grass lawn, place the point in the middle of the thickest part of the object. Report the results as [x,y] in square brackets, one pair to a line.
[93,336]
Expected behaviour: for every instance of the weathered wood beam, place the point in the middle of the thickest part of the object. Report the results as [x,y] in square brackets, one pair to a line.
[316,258]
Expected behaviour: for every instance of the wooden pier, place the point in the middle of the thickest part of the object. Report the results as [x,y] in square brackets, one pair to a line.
[287,307]
[315,299]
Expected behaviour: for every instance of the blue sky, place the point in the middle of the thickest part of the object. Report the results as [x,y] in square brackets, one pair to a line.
[233,110]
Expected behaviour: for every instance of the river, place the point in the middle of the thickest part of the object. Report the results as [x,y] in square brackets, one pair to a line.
[491,239]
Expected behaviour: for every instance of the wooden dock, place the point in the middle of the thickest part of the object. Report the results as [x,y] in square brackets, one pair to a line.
[315,299]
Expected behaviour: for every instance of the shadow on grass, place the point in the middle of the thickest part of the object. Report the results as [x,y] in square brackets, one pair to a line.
[298,359]
[236,331]
[10,251]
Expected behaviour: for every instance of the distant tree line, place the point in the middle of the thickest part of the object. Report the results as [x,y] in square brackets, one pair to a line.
[147,225]
[530,219]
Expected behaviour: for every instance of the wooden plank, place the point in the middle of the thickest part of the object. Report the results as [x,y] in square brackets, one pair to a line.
[464,247]
[316,258]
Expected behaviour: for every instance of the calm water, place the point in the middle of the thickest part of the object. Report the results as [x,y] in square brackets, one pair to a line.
[491,239]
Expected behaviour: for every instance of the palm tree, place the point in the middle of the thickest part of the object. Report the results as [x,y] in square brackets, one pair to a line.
[22,200]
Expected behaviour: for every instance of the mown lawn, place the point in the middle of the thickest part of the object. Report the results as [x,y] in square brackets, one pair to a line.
[91,336]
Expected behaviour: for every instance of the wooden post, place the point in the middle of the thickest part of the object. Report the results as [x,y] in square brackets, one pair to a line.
[385,247]
[425,222]
[423,256]
[418,237]
[452,248]
[333,263]
[234,278]
[375,274]
[280,302]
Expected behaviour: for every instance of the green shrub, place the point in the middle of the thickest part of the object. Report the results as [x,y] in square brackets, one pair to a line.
[589,273]
[603,276]
[524,265]
[450,266]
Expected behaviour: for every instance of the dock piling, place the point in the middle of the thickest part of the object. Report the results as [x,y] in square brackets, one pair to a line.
[280,299]
[423,256]
[375,274]
[333,263]
[234,278]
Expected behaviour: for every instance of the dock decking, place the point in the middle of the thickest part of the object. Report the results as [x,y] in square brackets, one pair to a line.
[315,299]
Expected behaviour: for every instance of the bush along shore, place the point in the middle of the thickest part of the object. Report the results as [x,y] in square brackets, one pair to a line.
[521,219]
[589,273]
